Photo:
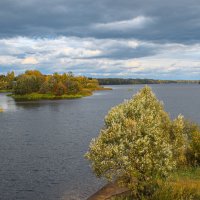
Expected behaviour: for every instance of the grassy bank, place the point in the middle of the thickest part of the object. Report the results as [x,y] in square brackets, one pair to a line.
[38,96]
[5,91]
[183,185]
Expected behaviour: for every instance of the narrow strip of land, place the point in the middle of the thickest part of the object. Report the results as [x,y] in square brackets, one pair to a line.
[108,191]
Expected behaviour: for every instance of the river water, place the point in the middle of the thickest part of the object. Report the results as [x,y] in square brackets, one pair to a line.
[42,143]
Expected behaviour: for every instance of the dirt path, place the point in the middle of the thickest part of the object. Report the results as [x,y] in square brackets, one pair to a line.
[107,191]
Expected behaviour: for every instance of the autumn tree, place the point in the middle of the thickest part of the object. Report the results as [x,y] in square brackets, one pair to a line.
[72,86]
[29,82]
[60,89]
[38,78]
[10,79]
[3,82]
[6,82]
[25,85]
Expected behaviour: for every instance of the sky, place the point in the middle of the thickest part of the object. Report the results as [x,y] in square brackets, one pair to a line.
[102,38]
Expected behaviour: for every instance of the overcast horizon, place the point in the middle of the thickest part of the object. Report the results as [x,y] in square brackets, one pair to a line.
[108,38]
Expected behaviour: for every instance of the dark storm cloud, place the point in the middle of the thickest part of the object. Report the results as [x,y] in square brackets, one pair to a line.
[174,21]
[108,38]
[125,52]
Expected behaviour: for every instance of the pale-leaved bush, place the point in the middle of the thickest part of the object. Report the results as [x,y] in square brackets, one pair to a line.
[135,147]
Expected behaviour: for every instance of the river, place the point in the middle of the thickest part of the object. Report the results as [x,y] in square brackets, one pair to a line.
[42,143]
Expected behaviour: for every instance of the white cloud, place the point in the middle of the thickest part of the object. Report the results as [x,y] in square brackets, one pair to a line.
[80,55]
[133,63]
[133,43]
[8,60]
[29,61]
[138,22]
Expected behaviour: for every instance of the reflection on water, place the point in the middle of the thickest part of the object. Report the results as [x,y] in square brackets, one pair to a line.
[7,103]
[42,143]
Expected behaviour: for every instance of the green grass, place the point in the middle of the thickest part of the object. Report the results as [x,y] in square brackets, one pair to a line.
[4,91]
[37,96]
[186,174]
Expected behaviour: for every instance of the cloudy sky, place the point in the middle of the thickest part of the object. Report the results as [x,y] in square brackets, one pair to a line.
[102,38]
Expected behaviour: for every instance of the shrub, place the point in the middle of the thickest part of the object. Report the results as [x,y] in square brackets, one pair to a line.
[179,141]
[135,145]
[193,149]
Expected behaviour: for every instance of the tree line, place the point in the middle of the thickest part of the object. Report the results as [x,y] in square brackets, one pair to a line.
[6,81]
[121,81]
[33,81]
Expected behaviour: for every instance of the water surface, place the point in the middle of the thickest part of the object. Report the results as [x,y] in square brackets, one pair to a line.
[42,143]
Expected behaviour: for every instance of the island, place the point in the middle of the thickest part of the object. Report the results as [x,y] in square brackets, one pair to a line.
[33,85]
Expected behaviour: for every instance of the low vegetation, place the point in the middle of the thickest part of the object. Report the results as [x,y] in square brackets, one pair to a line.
[141,148]
[33,85]
[182,185]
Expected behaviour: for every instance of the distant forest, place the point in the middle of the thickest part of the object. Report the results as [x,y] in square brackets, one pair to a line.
[121,81]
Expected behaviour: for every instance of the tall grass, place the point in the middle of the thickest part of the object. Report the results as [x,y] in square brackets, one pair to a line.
[183,185]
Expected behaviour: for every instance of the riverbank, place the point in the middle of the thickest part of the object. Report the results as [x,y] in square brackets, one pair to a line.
[5,91]
[106,192]
[183,184]
[38,96]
